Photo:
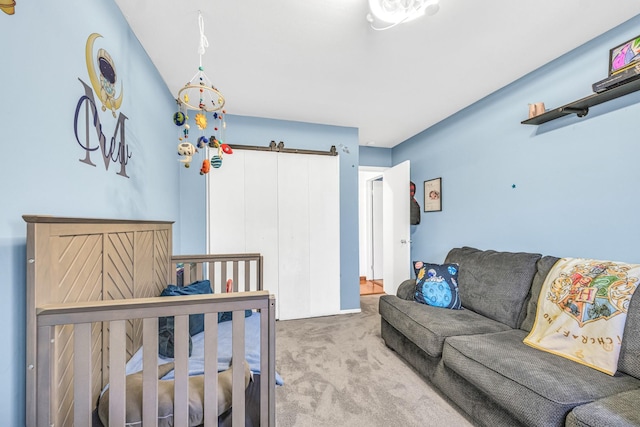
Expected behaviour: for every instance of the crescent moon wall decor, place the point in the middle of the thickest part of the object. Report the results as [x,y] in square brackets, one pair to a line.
[103,83]
[8,6]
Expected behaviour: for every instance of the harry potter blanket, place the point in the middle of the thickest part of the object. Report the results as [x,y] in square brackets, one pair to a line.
[582,310]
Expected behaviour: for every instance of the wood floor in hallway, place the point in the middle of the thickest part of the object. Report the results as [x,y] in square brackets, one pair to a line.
[371,287]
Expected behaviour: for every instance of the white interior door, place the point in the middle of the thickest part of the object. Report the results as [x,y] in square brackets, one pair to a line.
[293,225]
[309,235]
[396,227]
[324,235]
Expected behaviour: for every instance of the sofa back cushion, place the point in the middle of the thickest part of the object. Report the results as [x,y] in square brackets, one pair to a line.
[629,360]
[495,284]
[543,266]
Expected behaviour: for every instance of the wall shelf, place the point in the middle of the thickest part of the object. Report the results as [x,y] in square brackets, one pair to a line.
[581,106]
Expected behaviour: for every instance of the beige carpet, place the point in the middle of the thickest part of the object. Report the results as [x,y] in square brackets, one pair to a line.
[338,372]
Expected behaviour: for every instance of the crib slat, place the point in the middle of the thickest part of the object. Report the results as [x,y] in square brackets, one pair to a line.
[210,370]
[117,353]
[82,404]
[199,275]
[260,273]
[238,356]
[186,274]
[43,394]
[150,372]
[235,276]
[223,276]
[212,275]
[181,383]
[247,276]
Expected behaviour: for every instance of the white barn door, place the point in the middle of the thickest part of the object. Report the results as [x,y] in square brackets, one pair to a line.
[287,207]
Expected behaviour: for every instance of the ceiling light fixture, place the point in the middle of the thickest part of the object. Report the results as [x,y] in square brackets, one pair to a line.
[395,12]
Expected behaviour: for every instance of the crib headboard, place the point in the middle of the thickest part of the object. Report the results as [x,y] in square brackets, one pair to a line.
[80,259]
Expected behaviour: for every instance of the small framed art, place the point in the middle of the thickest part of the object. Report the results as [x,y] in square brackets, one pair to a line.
[433,195]
[624,56]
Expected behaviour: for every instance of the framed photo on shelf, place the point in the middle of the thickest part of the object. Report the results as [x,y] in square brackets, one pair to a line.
[433,195]
[624,56]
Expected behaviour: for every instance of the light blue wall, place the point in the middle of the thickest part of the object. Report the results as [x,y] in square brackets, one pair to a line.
[42,57]
[259,132]
[375,156]
[566,188]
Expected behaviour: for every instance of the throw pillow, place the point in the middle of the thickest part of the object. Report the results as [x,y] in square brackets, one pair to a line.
[166,332]
[200,287]
[167,337]
[437,285]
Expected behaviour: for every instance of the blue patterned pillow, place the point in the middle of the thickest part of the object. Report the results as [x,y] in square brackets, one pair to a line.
[437,285]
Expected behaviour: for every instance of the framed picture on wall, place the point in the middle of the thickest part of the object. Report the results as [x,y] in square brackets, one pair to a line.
[433,195]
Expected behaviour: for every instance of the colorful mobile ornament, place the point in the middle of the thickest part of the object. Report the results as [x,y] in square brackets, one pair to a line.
[210,100]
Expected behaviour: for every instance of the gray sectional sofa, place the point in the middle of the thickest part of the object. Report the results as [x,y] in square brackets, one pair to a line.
[477,358]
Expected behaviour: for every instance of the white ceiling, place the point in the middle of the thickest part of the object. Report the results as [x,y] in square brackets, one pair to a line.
[319,61]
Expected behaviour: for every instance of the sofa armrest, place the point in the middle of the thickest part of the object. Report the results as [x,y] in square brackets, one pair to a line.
[406,290]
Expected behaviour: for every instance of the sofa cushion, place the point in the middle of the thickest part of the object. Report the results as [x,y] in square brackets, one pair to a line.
[543,266]
[537,387]
[618,410]
[629,361]
[494,284]
[427,327]
[437,285]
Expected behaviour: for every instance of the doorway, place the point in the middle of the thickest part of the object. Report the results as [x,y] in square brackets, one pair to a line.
[384,227]
[370,213]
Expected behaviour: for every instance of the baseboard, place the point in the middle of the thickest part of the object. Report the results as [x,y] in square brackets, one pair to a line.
[350,311]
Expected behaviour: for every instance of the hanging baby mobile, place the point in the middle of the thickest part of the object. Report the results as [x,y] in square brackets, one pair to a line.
[210,100]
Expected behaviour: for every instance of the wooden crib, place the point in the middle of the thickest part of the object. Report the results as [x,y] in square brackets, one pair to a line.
[93,289]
